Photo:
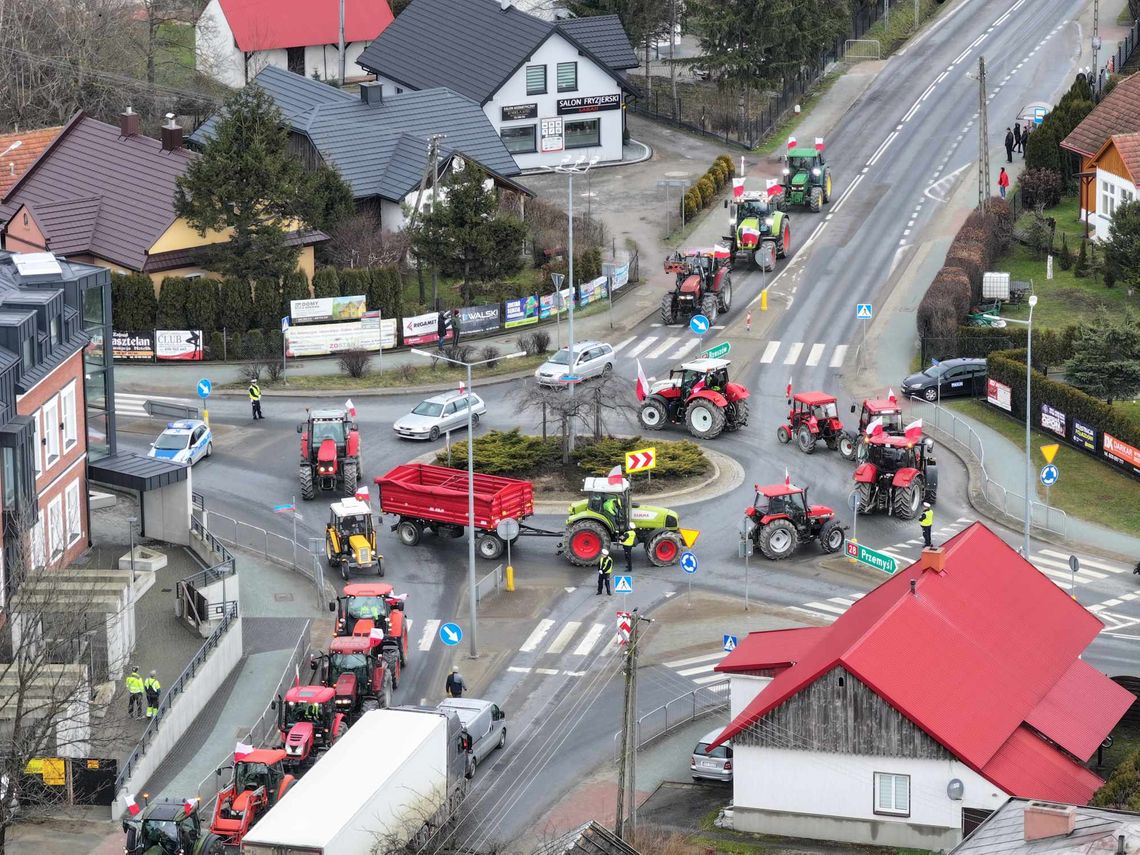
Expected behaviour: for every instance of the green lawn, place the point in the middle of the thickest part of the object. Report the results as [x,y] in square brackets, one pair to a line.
[525,282]
[893,33]
[1088,489]
[780,135]
[174,59]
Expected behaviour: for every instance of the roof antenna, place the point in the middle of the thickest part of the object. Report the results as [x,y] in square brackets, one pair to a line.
[913,587]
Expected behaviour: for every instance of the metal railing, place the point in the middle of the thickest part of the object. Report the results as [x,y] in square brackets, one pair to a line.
[169,410]
[855,49]
[700,702]
[489,584]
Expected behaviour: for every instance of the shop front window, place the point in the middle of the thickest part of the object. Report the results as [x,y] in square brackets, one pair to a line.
[583,133]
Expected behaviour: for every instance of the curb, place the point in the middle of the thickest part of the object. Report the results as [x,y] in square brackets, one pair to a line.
[640,159]
[374,392]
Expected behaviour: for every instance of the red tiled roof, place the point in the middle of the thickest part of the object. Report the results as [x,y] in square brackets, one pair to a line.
[1128,147]
[777,648]
[975,651]
[1081,705]
[1118,113]
[272,24]
[16,162]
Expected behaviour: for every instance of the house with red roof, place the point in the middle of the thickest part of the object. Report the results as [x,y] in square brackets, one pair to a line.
[19,150]
[956,684]
[1117,166]
[235,39]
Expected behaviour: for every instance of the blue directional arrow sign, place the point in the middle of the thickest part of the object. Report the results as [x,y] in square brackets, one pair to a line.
[450,634]
[688,562]
[729,643]
[205,387]
[1049,475]
[623,584]
[699,324]
[863,311]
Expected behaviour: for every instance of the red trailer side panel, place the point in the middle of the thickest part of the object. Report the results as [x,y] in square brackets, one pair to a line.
[439,494]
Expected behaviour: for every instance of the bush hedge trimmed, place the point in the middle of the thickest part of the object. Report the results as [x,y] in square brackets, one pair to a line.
[705,189]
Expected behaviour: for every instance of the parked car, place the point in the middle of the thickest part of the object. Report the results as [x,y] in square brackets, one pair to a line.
[183,442]
[484,722]
[440,414]
[591,359]
[711,764]
[956,377]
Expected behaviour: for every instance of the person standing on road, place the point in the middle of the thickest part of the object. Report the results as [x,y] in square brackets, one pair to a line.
[1009,145]
[255,400]
[134,684]
[153,689]
[454,323]
[926,521]
[627,542]
[1017,136]
[605,571]
[441,329]
[1003,182]
[454,685]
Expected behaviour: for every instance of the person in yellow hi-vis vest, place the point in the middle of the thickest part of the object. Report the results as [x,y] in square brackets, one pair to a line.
[605,572]
[134,684]
[627,542]
[153,689]
[255,400]
[927,523]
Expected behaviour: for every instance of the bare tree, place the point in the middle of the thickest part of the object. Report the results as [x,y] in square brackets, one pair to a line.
[358,241]
[597,408]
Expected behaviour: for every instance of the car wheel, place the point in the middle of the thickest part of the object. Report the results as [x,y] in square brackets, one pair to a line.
[474,420]
[433,434]
[503,739]
[609,367]
[471,767]
[931,395]
[209,448]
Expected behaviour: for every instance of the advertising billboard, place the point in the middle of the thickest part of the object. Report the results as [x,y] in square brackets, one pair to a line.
[479,319]
[369,333]
[999,395]
[321,309]
[618,274]
[180,345]
[133,346]
[422,329]
[521,312]
[1122,454]
[552,304]
[1083,435]
[592,291]
[1053,420]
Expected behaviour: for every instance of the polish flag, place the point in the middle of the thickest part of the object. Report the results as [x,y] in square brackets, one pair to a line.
[720,252]
[737,188]
[462,387]
[296,676]
[791,143]
[913,431]
[351,407]
[875,428]
[241,751]
[700,384]
[787,477]
[362,494]
[642,383]
[376,633]
[615,476]
[749,236]
[788,391]
[891,396]
[773,187]
[190,805]
[132,806]
[819,143]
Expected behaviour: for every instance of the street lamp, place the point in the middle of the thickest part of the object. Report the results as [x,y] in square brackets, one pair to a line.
[131,523]
[1028,398]
[470,480]
[12,147]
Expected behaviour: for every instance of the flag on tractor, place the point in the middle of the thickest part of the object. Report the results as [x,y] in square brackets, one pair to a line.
[913,431]
[819,143]
[241,751]
[642,383]
[615,476]
[132,806]
[791,143]
[737,188]
[875,427]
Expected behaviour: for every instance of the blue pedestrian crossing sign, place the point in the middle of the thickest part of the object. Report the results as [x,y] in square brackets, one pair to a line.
[1049,475]
[623,584]
[205,387]
[863,311]
[688,562]
[450,634]
[699,324]
[729,643]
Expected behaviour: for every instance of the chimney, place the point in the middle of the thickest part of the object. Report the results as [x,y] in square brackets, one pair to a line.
[1045,819]
[913,588]
[372,92]
[128,123]
[171,134]
[505,4]
[934,559]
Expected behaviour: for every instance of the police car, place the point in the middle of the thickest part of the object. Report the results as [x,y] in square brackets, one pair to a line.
[183,442]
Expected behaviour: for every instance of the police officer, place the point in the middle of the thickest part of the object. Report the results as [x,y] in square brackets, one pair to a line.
[255,400]
[454,684]
[627,542]
[605,571]
[153,689]
[927,523]
[134,683]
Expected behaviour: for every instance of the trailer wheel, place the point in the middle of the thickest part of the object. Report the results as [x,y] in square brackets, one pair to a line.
[489,545]
[410,532]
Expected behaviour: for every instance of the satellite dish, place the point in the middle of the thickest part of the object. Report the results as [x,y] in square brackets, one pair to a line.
[955,789]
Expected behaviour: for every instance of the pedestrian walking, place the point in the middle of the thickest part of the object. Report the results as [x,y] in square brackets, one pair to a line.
[1003,182]
[605,571]
[1017,136]
[441,329]
[454,685]
[255,400]
[1025,135]
[926,521]
[455,327]
[153,689]
[627,542]
[134,683]
[1009,145]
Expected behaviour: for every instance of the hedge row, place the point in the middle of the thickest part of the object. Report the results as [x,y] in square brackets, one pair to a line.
[1122,789]
[702,193]
[1051,348]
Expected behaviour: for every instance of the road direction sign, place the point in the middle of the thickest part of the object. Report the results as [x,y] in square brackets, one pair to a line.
[507,529]
[557,279]
[688,562]
[450,634]
[1049,474]
[689,535]
[878,560]
[719,352]
[729,643]
[641,460]
[699,324]
[284,509]
[1074,564]
[1049,452]
[863,311]
[623,584]
[624,624]
[205,387]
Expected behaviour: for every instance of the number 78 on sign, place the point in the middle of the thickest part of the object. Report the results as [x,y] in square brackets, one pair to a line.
[641,460]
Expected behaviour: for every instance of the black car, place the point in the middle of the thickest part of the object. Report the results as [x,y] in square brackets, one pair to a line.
[956,377]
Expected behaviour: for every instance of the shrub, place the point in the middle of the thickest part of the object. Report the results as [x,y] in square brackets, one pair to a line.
[506,453]
[236,348]
[133,303]
[1065,255]
[588,264]
[970,259]
[294,286]
[728,163]
[273,343]
[692,203]
[266,307]
[250,371]
[490,355]
[201,304]
[706,189]
[716,175]
[254,344]
[1122,789]
[235,305]
[1081,268]
[680,459]
[1040,187]
[274,369]
[1000,216]
[326,283]
[354,363]
[525,343]
[216,349]
[407,373]
[172,304]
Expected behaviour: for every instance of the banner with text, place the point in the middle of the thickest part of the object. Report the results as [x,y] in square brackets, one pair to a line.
[132,346]
[180,345]
[521,312]
[1053,420]
[479,319]
[999,395]
[421,329]
[1121,453]
[327,309]
[369,333]
[617,273]
[592,291]
[551,304]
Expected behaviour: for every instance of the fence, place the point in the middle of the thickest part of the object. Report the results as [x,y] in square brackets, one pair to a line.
[657,722]
[1124,48]
[489,584]
[855,49]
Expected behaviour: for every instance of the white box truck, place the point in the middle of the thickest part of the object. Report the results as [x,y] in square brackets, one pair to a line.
[396,774]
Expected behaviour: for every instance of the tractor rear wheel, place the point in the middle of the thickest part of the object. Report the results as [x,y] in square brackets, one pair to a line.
[330,556]
[351,477]
[931,483]
[489,545]
[653,415]
[738,415]
[664,548]
[409,532]
[668,311]
[846,446]
[815,200]
[584,541]
[706,420]
[392,666]
[907,500]
[805,440]
[708,308]
[783,434]
[778,539]
[831,536]
[827,188]
[863,503]
[785,244]
[306,481]
[724,295]
[384,696]
[404,649]
[210,844]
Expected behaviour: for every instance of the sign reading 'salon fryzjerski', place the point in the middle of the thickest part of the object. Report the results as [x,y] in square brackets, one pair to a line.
[589,104]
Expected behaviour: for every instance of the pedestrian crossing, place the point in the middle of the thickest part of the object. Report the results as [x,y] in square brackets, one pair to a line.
[676,347]
[132,406]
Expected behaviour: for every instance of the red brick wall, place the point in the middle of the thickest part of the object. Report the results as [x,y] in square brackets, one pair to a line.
[23,237]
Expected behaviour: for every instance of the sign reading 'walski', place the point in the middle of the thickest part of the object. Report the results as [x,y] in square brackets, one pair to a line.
[589,103]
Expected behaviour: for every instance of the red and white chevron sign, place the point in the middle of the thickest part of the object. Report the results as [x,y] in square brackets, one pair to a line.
[623,625]
[640,460]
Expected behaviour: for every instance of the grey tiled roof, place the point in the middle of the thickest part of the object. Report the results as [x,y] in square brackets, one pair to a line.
[473,46]
[1096,830]
[588,839]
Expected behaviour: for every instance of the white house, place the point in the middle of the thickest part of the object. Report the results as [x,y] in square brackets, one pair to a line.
[235,39]
[551,89]
[954,685]
[1117,166]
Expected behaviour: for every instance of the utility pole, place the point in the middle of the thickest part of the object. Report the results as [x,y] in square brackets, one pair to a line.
[340,42]
[627,766]
[1095,82]
[983,140]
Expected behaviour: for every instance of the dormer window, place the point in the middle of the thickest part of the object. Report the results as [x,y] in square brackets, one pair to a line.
[28,353]
[56,331]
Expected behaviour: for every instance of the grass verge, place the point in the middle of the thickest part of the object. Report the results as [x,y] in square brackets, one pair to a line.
[1088,489]
[780,135]
[897,29]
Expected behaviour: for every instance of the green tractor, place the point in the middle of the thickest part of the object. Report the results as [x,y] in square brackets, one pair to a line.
[601,519]
[807,180]
[169,827]
[757,228]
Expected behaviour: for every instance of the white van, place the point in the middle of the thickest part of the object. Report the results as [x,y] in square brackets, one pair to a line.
[484,722]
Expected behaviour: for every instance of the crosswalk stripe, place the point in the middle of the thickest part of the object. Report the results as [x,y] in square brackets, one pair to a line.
[1061,580]
[700,669]
[431,627]
[681,663]
[812,612]
[563,637]
[664,346]
[640,346]
[625,343]
[1064,566]
[537,635]
[683,349]
[712,678]
[826,607]
[814,355]
[1099,565]
[838,355]
[587,644]
[794,353]
[1112,602]
[770,352]
[843,601]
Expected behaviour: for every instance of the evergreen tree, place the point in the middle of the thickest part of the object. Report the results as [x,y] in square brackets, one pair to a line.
[171,313]
[235,300]
[1122,249]
[134,305]
[1065,256]
[326,283]
[201,304]
[294,286]
[1081,268]
[1106,356]
[266,304]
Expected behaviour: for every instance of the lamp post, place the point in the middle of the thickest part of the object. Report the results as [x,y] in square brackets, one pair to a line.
[11,148]
[131,525]
[470,483]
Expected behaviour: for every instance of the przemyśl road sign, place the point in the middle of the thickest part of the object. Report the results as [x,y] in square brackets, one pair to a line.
[878,560]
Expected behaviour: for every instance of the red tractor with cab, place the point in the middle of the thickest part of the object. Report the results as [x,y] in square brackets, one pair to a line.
[330,453]
[258,783]
[814,417]
[699,395]
[897,475]
[887,410]
[364,608]
[308,723]
[358,672]
[703,285]
[781,519]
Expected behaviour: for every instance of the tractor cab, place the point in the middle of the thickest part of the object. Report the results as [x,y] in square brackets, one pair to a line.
[781,519]
[817,407]
[611,500]
[350,538]
[355,669]
[693,377]
[167,826]
[307,720]
[785,500]
[330,452]
[703,284]
[896,474]
[259,780]
[879,408]
[807,179]
[364,607]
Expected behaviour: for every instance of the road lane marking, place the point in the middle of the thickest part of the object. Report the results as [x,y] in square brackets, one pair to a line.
[814,355]
[664,346]
[563,638]
[683,349]
[587,643]
[700,669]
[537,635]
[1100,565]
[625,343]
[431,627]
[770,352]
[838,355]
[694,660]
[826,607]
[712,678]
[644,343]
[794,353]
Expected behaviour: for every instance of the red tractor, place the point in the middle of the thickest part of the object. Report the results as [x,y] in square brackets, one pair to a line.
[358,673]
[308,723]
[697,394]
[330,453]
[258,783]
[782,519]
[364,608]
[897,476]
[889,414]
[703,286]
[814,417]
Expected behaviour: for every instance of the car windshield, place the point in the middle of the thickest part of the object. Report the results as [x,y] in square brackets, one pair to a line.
[936,370]
[328,430]
[560,358]
[800,164]
[720,752]
[371,608]
[170,441]
[428,408]
[161,832]
[343,663]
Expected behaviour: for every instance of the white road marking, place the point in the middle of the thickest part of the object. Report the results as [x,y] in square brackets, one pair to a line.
[625,343]
[664,346]
[587,644]
[1100,565]
[886,144]
[644,343]
[712,678]
[683,349]
[694,660]
[794,353]
[700,669]
[1064,567]
[537,635]
[770,352]
[826,607]
[564,636]
[814,356]
[431,627]
[550,672]
[838,355]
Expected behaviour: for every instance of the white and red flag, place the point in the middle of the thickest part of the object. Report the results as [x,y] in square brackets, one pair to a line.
[913,431]
[819,143]
[773,187]
[875,427]
[351,407]
[132,806]
[642,383]
[241,751]
[788,391]
[891,396]
[791,143]
[787,477]
[615,476]
[737,188]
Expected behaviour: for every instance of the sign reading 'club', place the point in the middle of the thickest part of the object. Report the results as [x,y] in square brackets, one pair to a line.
[641,460]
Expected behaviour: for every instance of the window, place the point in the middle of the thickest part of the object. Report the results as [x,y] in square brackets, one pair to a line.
[892,794]
[37,443]
[74,518]
[56,333]
[567,77]
[51,432]
[1107,199]
[55,526]
[37,537]
[1126,196]
[28,353]
[536,80]
[583,133]
[295,59]
[520,140]
[67,405]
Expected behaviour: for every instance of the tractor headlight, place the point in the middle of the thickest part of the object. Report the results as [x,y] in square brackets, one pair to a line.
[787,171]
[815,171]
[293,750]
[768,221]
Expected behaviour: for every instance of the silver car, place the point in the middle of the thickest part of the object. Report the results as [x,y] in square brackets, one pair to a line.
[713,764]
[484,722]
[591,359]
[440,414]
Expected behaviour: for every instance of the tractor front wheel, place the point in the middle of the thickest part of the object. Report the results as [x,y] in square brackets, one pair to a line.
[907,500]
[831,536]
[584,541]
[706,420]
[330,556]
[384,696]
[708,308]
[351,477]
[664,548]
[409,532]
[827,188]
[210,844]
[668,310]
[846,446]
[392,666]
[783,434]
[738,415]
[306,481]
[815,200]
[931,483]
[489,545]
[765,257]
[653,415]
[785,245]
[805,440]
[863,502]
[724,296]
[778,539]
